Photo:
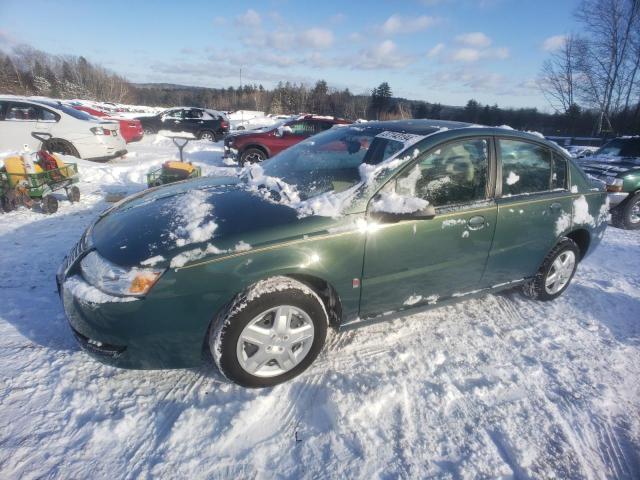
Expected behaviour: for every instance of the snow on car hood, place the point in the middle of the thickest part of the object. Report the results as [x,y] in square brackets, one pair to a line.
[186,221]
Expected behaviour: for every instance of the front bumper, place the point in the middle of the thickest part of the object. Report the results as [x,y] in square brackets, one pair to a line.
[616,199]
[165,329]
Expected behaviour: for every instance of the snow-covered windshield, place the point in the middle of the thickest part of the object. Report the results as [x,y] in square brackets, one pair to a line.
[330,161]
[621,147]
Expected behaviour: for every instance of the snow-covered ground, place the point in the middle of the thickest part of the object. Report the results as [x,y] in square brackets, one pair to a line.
[497,387]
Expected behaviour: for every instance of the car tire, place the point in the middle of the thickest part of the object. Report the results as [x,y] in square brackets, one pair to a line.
[63,147]
[249,326]
[252,155]
[149,131]
[555,273]
[73,194]
[49,204]
[207,135]
[627,214]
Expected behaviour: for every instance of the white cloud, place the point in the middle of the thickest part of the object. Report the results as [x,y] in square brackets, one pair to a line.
[317,38]
[396,24]
[466,55]
[474,54]
[382,55]
[250,18]
[554,43]
[435,51]
[474,39]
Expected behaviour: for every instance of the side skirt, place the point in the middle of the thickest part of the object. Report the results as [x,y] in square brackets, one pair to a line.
[356,322]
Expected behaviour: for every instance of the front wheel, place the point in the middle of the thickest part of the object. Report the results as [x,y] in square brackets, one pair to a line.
[271,333]
[556,272]
[627,215]
[252,155]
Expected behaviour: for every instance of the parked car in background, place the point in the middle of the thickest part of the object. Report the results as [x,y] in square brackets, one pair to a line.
[72,132]
[204,124]
[581,151]
[355,225]
[130,129]
[254,146]
[617,164]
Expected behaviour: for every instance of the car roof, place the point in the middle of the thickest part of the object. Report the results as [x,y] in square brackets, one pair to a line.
[416,127]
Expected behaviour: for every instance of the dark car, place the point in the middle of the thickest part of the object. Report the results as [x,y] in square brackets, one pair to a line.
[356,225]
[203,123]
[617,164]
[254,146]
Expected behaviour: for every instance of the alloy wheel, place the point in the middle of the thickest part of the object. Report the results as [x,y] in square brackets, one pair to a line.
[560,272]
[275,341]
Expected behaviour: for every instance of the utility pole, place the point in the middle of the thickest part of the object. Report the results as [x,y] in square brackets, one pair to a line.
[241,91]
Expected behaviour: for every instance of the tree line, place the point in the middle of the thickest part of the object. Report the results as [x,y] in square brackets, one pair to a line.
[27,71]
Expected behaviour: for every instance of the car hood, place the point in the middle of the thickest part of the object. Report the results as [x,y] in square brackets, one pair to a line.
[166,221]
[609,165]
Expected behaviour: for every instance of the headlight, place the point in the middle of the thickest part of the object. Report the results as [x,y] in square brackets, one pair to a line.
[116,280]
[614,184]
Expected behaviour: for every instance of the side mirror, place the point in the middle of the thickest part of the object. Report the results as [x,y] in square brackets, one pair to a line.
[399,210]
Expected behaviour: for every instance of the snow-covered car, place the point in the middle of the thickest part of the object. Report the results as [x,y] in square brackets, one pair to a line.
[72,132]
[355,225]
[617,164]
[581,151]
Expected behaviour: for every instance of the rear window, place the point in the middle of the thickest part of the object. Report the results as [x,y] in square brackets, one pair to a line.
[80,115]
[621,147]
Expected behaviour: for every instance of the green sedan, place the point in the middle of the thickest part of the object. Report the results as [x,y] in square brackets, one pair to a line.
[358,224]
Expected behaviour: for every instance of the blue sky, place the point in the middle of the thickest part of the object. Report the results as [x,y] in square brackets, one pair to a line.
[444,51]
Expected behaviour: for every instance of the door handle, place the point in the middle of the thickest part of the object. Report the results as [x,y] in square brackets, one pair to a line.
[555,206]
[476,223]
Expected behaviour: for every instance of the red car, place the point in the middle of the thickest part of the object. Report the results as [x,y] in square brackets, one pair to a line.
[131,130]
[251,146]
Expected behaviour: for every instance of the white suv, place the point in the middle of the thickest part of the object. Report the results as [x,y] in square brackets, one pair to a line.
[72,132]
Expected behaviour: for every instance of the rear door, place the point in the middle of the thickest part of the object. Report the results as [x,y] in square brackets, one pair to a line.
[534,206]
[414,262]
[20,119]
[194,120]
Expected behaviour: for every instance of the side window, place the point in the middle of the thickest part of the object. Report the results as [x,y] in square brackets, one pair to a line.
[193,114]
[559,176]
[3,108]
[47,115]
[453,174]
[526,167]
[174,115]
[302,128]
[22,112]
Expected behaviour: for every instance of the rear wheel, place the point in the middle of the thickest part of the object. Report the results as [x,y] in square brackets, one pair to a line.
[270,333]
[627,215]
[149,131]
[57,145]
[252,155]
[9,201]
[556,272]
[73,194]
[49,204]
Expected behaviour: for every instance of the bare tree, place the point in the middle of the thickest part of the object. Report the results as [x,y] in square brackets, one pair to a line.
[606,62]
[559,75]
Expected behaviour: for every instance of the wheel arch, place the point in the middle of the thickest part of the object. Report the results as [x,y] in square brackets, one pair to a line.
[257,146]
[582,238]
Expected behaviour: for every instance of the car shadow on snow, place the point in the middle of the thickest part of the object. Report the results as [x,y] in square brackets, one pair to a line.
[30,256]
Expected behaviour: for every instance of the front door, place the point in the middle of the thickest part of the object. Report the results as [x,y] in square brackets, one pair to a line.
[415,262]
[534,209]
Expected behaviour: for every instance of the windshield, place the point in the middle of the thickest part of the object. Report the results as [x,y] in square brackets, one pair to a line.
[621,147]
[330,161]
